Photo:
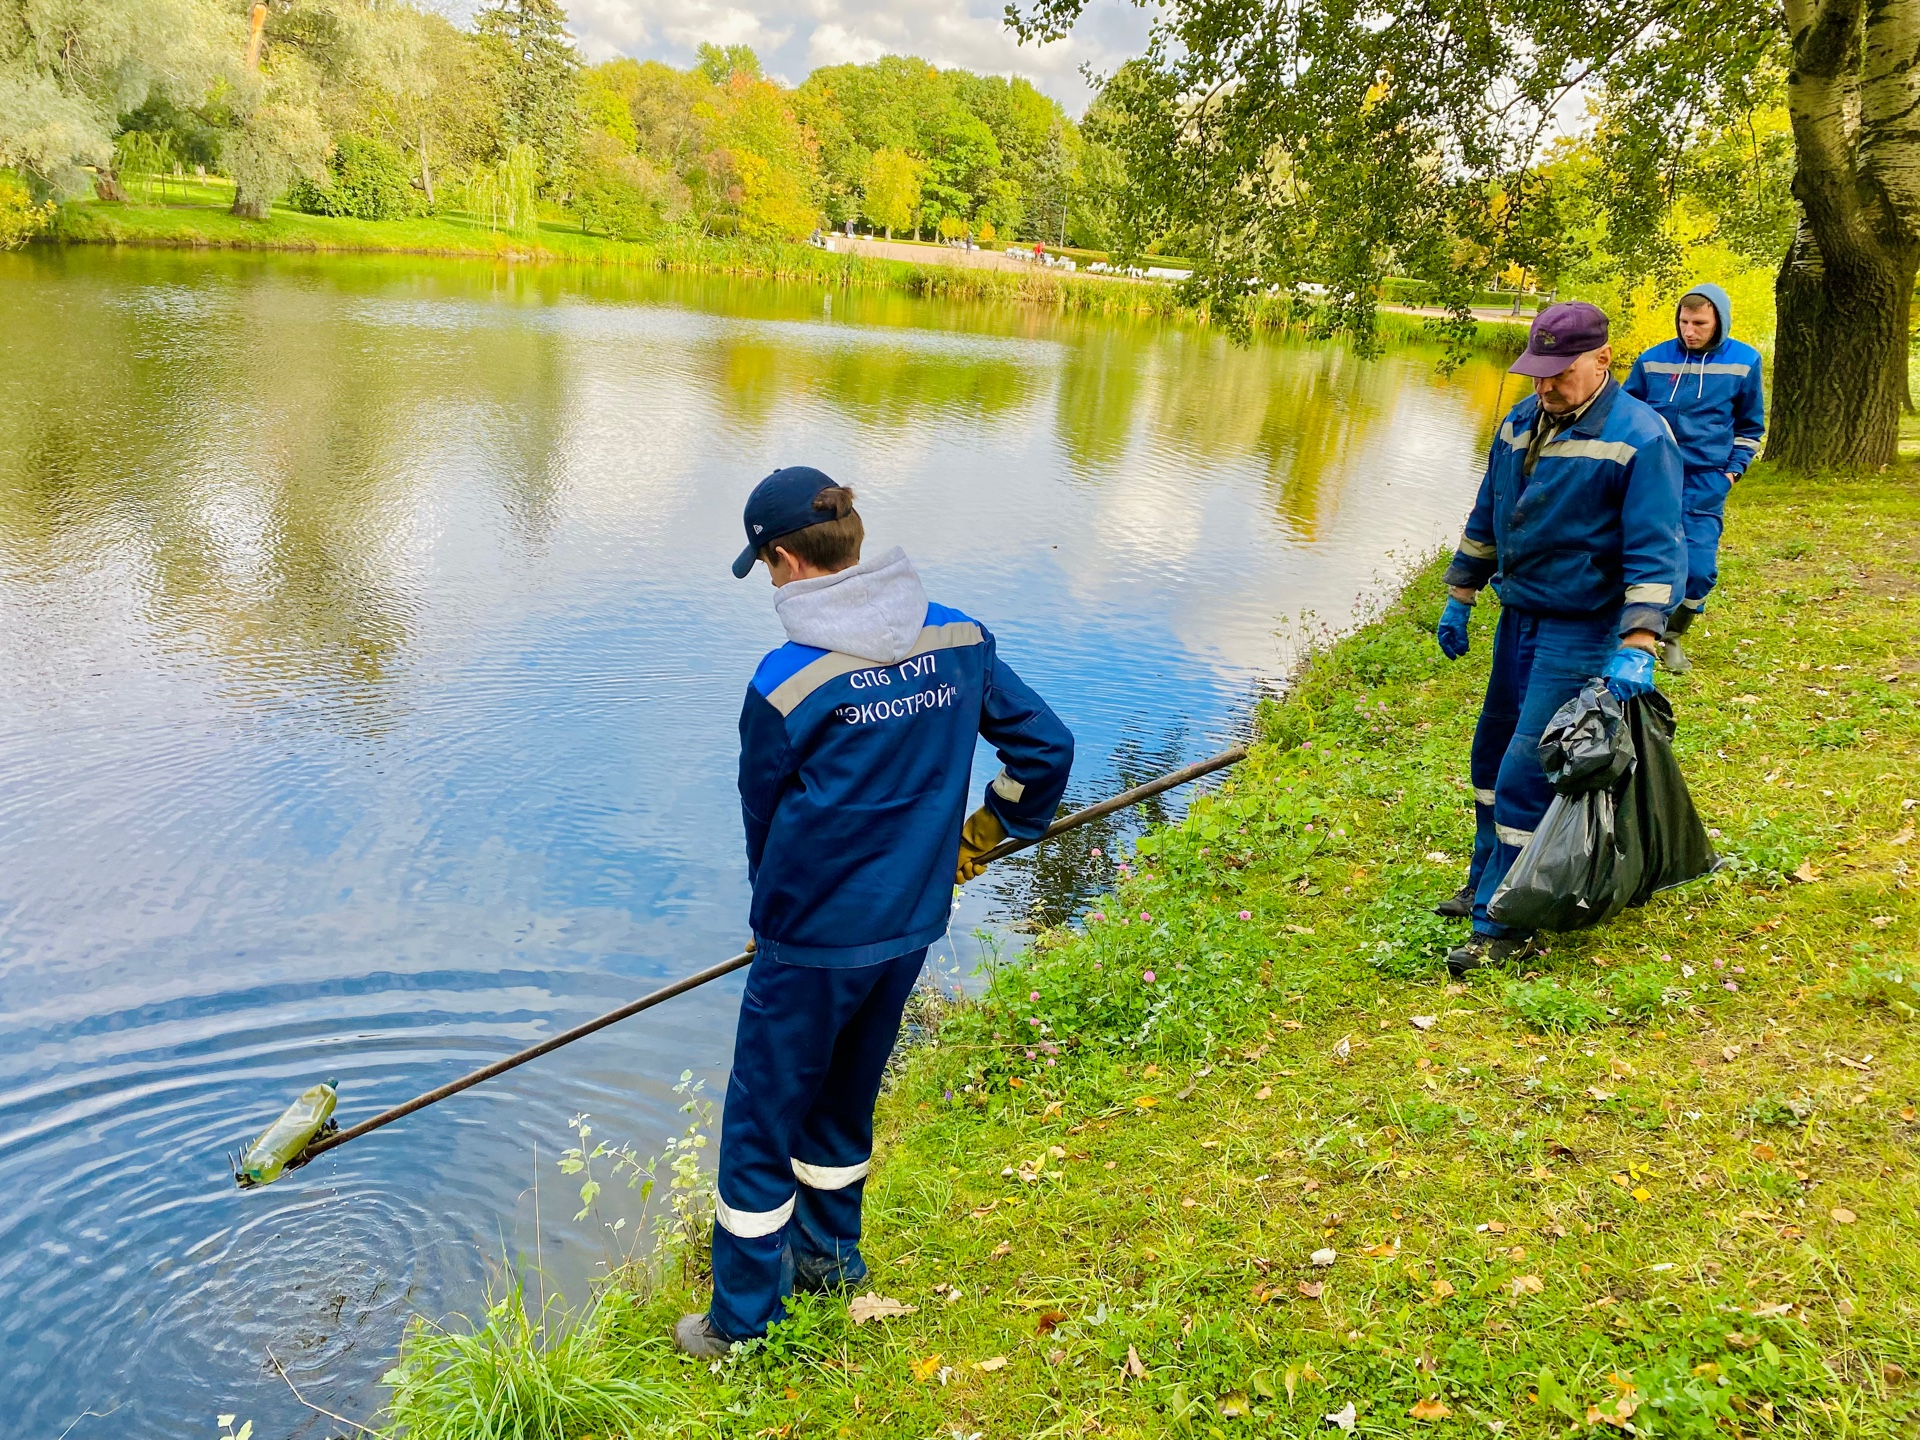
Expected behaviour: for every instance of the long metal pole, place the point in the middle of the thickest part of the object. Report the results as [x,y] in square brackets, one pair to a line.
[1183,776]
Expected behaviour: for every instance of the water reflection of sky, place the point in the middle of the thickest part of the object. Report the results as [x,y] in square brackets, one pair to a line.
[369,671]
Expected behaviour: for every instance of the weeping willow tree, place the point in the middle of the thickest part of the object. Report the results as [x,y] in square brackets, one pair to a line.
[505,196]
[1338,141]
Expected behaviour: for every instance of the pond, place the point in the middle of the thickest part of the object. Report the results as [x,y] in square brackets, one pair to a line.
[369,674]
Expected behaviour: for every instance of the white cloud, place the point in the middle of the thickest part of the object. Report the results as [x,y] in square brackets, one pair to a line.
[796,36]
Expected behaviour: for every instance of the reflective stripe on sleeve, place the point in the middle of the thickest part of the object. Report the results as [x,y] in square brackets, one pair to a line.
[829,1177]
[1517,440]
[1482,797]
[1008,789]
[751,1224]
[1649,594]
[1477,549]
[1618,451]
[1510,836]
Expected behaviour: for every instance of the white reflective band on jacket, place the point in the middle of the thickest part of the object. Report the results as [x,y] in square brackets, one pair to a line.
[751,1224]
[829,1177]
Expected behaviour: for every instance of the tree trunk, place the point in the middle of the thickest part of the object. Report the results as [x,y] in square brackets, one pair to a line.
[248,208]
[426,175]
[106,186]
[1840,366]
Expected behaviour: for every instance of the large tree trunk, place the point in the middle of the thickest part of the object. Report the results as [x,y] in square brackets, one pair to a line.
[1846,286]
[1840,362]
[248,208]
[106,186]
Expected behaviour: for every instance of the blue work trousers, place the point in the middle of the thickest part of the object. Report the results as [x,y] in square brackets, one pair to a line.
[1703,506]
[1539,663]
[797,1134]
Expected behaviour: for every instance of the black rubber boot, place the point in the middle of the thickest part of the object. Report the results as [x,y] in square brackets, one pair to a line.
[695,1336]
[1457,906]
[1486,952]
[821,1274]
[1671,655]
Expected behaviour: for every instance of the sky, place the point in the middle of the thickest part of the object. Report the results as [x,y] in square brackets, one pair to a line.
[795,37]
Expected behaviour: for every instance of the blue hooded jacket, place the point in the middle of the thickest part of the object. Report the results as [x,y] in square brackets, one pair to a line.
[1595,530]
[1711,398]
[856,742]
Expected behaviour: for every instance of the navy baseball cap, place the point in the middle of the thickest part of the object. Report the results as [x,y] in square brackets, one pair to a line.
[779,505]
[1560,335]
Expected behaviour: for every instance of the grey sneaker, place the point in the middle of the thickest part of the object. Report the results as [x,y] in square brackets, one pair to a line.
[1674,658]
[694,1336]
[1485,952]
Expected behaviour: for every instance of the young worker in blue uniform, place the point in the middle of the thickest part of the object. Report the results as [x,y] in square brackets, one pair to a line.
[1707,386]
[856,742]
[1577,526]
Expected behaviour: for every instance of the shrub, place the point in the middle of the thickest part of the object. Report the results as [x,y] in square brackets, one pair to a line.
[21,216]
[365,180]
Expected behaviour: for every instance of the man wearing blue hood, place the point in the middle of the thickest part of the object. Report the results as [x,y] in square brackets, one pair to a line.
[856,742]
[1706,384]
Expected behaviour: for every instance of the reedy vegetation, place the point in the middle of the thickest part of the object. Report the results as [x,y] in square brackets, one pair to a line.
[1666,1181]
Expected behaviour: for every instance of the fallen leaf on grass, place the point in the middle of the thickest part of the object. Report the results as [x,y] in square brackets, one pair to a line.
[1324,1258]
[1641,1193]
[1806,874]
[1842,1216]
[1046,1323]
[1264,1092]
[1133,1366]
[1527,1285]
[1441,1290]
[1431,1408]
[1343,1417]
[985,1210]
[1597,1093]
[875,1306]
[1004,1248]
[1054,1107]
[1343,1048]
[1235,1407]
[925,1370]
[1146,1102]
[1313,1289]
[1423,1022]
[1385,1250]
[998,1362]
[1763,1152]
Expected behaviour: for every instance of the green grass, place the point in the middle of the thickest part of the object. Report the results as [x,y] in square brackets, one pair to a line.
[1664,1180]
[202,222]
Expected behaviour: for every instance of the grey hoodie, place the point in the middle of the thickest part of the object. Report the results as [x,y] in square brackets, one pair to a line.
[873,611]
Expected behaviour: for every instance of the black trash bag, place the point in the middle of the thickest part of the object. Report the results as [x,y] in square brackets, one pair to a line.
[1587,745]
[1598,851]
[1658,828]
[1569,875]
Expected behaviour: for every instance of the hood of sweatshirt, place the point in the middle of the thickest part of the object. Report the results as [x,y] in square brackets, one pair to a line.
[1722,309]
[873,611]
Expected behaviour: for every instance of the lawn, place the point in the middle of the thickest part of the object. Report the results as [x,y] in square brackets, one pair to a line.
[1236,1158]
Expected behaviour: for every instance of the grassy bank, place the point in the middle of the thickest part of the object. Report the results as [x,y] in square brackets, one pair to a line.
[1664,1184]
[205,224]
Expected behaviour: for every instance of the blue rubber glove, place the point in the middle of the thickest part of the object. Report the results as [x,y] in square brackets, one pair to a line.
[1629,673]
[1451,632]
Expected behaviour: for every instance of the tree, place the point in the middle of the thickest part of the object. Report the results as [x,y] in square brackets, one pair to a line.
[717,64]
[893,190]
[773,160]
[67,72]
[1327,142]
[536,71]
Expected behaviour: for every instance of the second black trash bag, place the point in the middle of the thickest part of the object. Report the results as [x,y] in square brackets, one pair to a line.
[1659,831]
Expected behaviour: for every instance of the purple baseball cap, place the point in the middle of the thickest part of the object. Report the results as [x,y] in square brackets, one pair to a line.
[1560,335]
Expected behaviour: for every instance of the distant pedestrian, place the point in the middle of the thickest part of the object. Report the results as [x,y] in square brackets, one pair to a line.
[1707,386]
[856,743]
[1577,526]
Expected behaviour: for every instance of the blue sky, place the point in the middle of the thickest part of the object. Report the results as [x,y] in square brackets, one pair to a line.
[794,37]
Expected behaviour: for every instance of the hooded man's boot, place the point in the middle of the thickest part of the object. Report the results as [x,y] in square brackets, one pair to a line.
[1671,655]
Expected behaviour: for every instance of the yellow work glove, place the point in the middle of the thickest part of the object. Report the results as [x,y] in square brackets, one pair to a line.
[980,834]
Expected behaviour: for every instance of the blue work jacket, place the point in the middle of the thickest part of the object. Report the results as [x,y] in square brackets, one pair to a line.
[853,780]
[1595,530]
[1712,401]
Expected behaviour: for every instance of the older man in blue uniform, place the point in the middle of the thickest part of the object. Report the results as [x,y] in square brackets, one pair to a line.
[1577,527]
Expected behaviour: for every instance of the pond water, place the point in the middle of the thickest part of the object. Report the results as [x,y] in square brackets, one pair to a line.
[369,671]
